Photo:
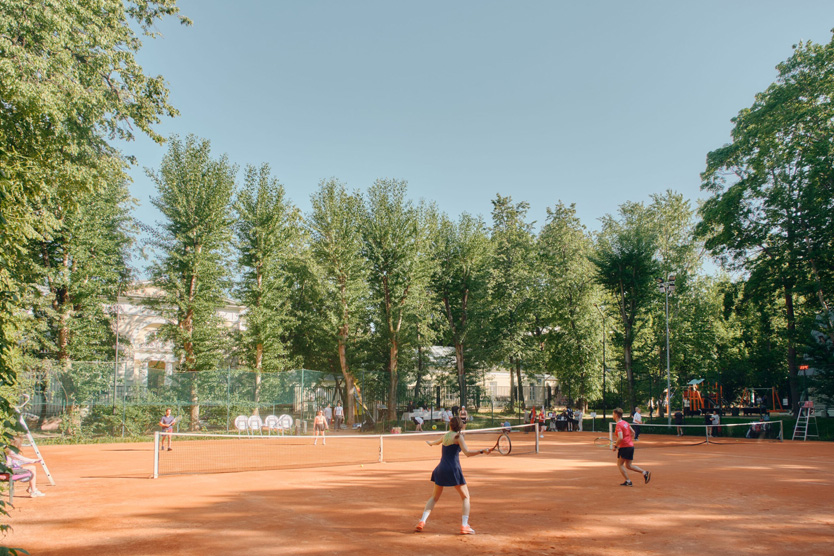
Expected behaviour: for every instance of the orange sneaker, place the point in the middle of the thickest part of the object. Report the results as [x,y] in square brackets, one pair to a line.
[419,527]
[466,530]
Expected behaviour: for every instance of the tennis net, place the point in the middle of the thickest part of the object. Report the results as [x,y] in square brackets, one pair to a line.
[658,435]
[228,453]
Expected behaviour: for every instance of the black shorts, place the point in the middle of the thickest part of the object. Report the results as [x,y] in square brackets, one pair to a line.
[320,428]
[626,453]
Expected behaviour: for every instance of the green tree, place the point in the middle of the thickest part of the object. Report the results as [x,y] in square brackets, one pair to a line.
[510,334]
[66,92]
[772,194]
[82,262]
[570,292]
[462,251]
[338,286]
[195,197]
[268,230]
[397,249]
[626,269]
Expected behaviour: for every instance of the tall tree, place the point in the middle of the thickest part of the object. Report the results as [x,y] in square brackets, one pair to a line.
[82,263]
[397,248]
[772,192]
[195,197]
[626,269]
[65,92]
[513,281]
[339,278]
[268,230]
[462,251]
[570,292]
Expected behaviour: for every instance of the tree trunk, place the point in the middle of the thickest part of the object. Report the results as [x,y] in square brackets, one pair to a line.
[520,384]
[627,349]
[195,404]
[392,386]
[419,382]
[461,372]
[350,385]
[259,358]
[793,369]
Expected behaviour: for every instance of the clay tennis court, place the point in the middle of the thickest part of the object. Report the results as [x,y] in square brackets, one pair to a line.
[742,497]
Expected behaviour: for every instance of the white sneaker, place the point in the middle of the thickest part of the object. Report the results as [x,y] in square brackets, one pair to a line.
[36,493]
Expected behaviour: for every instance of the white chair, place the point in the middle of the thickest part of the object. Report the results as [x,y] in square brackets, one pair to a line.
[271,423]
[255,424]
[285,423]
[242,424]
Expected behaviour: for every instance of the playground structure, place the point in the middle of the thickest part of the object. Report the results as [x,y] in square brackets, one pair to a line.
[709,397]
[754,399]
[700,397]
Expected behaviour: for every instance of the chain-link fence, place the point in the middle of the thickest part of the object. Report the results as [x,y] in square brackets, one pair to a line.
[90,399]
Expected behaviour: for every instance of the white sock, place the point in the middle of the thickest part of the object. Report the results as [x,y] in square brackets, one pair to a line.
[465,520]
[425,515]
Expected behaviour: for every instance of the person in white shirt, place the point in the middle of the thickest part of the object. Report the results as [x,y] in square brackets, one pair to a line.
[419,422]
[340,416]
[328,414]
[637,420]
[447,418]
[578,416]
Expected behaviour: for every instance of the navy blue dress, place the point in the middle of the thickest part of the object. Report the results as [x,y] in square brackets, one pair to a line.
[448,472]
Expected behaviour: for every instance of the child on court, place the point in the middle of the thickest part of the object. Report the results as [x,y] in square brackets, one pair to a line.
[449,474]
[624,444]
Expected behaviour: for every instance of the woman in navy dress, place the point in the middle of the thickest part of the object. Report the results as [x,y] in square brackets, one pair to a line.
[449,474]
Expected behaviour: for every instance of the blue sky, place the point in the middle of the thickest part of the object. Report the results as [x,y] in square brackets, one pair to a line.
[593,103]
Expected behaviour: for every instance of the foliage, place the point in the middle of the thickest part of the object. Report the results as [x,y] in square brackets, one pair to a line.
[192,276]
[570,292]
[396,247]
[626,269]
[462,254]
[333,300]
[772,194]
[269,238]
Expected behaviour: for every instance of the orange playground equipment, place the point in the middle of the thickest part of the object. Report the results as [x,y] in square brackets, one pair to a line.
[698,396]
[755,397]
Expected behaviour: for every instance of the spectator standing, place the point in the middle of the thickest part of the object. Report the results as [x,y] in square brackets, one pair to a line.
[636,421]
[339,413]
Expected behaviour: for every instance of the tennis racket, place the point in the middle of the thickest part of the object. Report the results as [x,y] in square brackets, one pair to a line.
[503,445]
[603,442]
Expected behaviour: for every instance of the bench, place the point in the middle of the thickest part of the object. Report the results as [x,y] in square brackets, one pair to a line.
[21,476]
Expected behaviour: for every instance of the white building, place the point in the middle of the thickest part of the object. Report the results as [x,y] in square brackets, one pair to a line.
[137,325]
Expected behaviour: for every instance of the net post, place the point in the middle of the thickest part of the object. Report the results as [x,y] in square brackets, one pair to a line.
[380,449]
[156,454]
[781,430]
[707,433]
[537,437]
[610,433]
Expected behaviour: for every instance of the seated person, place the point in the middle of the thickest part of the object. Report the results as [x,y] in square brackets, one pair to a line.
[507,427]
[20,465]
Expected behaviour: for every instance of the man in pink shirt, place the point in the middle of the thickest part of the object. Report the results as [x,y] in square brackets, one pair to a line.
[624,444]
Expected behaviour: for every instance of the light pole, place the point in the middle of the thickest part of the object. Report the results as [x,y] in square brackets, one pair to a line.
[666,287]
[604,334]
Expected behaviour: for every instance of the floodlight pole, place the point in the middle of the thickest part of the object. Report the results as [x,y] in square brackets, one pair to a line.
[668,286]
[604,333]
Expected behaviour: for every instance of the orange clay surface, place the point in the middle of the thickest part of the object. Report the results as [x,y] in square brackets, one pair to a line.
[743,497]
